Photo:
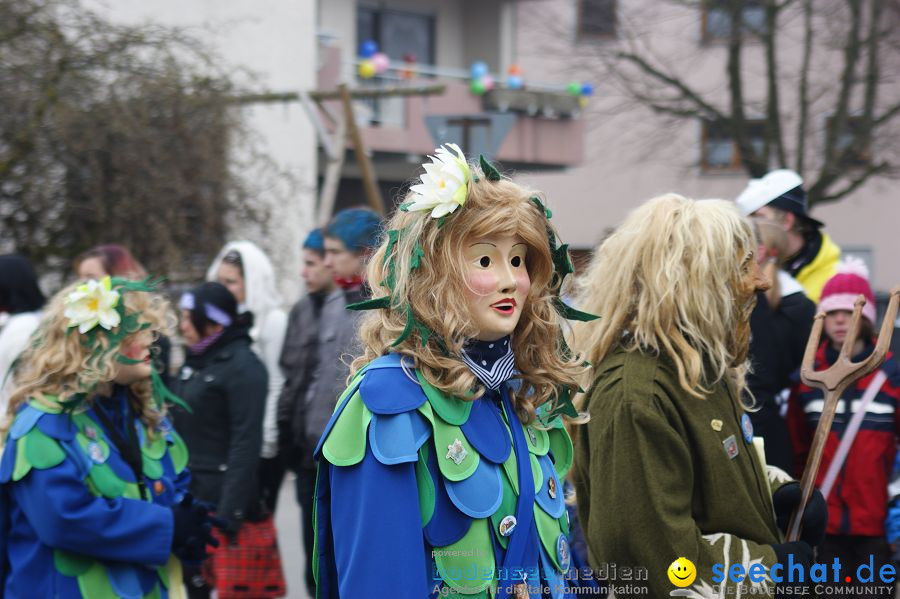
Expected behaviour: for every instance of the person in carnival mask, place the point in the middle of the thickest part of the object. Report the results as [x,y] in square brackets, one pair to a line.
[440,471]
[93,479]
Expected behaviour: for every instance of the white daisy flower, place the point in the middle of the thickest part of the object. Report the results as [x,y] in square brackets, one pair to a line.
[444,185]
[91,304]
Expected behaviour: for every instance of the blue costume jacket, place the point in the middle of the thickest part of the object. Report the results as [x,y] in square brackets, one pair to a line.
[420,494]
[73,523]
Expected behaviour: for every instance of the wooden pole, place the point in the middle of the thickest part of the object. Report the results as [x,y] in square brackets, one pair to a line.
[356,94]
[370,184]
[332,174]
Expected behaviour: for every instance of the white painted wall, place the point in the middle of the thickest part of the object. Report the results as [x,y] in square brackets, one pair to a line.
[269,45]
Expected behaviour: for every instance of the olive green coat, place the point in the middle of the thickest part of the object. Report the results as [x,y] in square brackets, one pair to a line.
[654,480]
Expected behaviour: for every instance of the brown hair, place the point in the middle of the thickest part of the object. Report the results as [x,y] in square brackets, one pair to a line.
[436,289]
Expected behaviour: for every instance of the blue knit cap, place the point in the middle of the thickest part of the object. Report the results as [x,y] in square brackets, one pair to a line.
[357,228]
[314,241]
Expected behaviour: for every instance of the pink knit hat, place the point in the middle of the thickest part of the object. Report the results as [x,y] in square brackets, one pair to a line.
[841,290]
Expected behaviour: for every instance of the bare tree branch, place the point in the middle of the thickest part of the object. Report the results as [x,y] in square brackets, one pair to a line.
[831,169]
[674,83]
[855,182]
[803,108]
[774,136]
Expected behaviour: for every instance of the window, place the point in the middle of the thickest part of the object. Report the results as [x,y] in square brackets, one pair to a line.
[720,152]
[596,18]
[853,129]
[398,33]
[717,20]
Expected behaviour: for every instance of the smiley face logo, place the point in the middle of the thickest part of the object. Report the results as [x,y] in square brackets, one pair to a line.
[682,572]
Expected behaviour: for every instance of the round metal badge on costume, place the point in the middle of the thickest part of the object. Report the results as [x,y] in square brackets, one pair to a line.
[96,452]
[747,428]
[563,554]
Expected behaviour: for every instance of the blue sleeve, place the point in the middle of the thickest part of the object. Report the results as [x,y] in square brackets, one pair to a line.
[65,515]
[182,484]
[379,548]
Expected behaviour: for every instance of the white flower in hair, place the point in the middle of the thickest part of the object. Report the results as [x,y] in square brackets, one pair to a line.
[91,304]
[444,185]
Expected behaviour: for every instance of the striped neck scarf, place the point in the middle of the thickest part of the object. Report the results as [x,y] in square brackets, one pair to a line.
[493,362]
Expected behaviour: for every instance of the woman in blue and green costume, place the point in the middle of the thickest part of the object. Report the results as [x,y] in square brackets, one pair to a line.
[92,477]
[440,471]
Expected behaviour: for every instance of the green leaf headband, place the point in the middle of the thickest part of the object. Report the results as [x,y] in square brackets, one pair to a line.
[96,310]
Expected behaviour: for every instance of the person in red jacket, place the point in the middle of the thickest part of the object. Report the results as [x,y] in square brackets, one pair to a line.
[857,500]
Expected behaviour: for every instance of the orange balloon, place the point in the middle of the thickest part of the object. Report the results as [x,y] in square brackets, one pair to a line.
[514,70]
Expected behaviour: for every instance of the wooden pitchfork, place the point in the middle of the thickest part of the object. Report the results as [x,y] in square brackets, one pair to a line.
[834,381]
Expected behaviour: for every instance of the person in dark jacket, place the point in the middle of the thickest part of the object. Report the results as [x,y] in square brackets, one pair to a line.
[225,385]
[350,237]
[298,360]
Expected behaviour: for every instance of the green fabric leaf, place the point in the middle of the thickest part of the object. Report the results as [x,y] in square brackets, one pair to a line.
[562,405]
[563,452]
[346,443]
[407,329]
[537,474]
[105,481]
[570,313]
[126,360]
[41,451]
[561,260]
[71,564]
[390,259]
[548,530]
[404,207]
[490,171]
[95,582]
[378,303]
[22,466]
[425,486]
[132,491]
[37,405]
[178,452]
[163,395]
[416,258]
[446,435]
[473,566]
[154,448]
[541,442]
[152,468]
[154,594]
[537,202]
[452,410]
[507,508]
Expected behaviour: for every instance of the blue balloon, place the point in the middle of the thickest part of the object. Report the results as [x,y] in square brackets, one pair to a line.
[368,48]
[514,82]
[587,89]
[478,70]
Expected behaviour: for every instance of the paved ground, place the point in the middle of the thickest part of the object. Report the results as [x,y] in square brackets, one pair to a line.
[287,522]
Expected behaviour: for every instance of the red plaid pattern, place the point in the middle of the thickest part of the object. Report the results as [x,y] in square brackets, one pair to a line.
[249,569]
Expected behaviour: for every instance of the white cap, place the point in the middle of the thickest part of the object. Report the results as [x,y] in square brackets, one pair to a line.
[760,192]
